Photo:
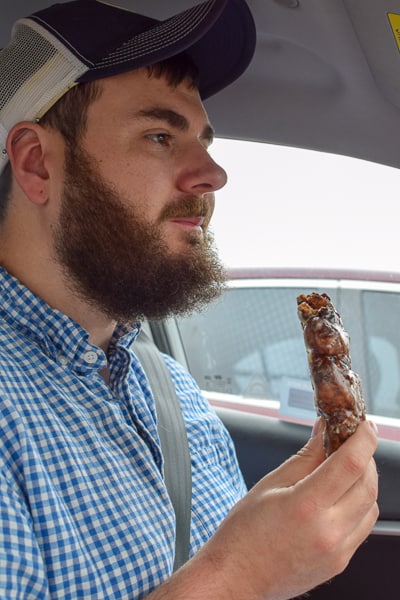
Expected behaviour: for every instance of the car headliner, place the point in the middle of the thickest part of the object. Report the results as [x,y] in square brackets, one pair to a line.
[325,76]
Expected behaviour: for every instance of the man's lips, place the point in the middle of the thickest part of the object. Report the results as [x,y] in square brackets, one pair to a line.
[194,222]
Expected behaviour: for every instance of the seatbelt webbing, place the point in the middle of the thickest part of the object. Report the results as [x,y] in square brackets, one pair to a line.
[174,443]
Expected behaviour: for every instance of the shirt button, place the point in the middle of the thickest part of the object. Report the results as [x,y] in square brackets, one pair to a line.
[91,357]
[63,361]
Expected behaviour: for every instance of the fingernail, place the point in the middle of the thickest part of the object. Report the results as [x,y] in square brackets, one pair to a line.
[374,426]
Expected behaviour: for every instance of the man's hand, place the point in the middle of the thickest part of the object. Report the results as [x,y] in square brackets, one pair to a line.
[298,527]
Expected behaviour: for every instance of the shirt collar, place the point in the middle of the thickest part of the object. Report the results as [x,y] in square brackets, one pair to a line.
[59,336]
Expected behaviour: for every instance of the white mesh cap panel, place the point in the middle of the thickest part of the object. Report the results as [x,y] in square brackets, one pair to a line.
[35,71]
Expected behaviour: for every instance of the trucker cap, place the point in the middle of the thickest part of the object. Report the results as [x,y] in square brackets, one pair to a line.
[74,42]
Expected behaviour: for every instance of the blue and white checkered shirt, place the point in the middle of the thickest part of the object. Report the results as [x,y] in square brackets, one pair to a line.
[83,506]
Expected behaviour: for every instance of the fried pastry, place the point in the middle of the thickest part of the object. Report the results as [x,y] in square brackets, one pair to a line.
[337,388]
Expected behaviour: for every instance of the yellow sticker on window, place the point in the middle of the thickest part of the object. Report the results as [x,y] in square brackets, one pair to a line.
[394,21]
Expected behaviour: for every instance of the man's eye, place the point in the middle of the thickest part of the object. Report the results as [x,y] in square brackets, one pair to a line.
[160,138]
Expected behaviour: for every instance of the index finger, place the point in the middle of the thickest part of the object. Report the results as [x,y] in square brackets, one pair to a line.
[341,470]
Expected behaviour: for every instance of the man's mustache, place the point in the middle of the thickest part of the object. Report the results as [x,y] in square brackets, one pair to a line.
[192,206]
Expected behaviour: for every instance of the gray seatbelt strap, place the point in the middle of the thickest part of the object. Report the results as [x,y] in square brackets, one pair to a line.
[173,439]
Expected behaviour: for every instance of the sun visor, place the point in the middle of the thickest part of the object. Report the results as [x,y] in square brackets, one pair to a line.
[377,25]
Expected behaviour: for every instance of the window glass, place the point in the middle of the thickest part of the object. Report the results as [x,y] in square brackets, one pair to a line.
[250,343]
[287,207]
[382,332]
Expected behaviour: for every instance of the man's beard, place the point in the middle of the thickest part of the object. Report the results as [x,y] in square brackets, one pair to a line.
[117,262]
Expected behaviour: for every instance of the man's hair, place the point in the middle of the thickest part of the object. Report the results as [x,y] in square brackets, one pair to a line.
[69,114]
[5,190]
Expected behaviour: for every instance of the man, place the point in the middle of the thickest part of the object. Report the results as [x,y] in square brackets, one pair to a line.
[107,191]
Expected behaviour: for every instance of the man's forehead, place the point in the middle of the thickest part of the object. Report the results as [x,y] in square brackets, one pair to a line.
[136,94]
[148,78]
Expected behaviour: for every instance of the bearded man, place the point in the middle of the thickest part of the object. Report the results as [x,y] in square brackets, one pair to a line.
[107,190]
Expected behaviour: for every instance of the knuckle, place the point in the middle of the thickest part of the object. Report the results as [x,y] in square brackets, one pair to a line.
[306,509]
[340,563]
[375,512]
[372,491]
[371,483]
[354,465]
[330,549]
[328,543]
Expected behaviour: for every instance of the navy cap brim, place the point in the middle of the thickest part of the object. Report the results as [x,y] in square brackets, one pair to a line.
[219,35]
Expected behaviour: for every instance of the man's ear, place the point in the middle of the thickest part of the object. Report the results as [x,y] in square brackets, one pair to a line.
[25,151]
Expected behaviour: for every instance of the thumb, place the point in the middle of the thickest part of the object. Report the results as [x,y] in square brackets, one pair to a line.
[307,459]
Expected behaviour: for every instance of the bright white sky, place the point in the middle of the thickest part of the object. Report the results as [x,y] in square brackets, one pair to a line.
[289,207]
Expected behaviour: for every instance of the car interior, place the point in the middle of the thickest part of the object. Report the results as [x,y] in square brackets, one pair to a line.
[325,77]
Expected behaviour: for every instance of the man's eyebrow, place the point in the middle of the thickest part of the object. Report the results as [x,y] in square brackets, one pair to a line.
[174,119]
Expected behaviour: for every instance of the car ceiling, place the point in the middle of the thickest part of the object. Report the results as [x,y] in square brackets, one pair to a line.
[325,76]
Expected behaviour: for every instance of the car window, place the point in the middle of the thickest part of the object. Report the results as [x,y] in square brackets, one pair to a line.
[382,338]
[250,342]
[294,210]
[287,207]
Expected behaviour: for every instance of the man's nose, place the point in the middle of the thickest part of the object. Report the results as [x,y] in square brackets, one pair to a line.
[201,174]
